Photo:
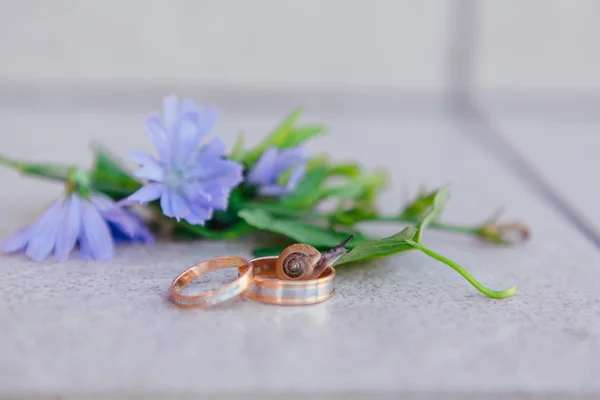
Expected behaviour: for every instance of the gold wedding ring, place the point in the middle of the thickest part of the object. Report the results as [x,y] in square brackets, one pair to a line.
[257,280]
[220,295]
[266,287]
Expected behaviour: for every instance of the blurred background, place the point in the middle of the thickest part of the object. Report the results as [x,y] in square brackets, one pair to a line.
[421,49]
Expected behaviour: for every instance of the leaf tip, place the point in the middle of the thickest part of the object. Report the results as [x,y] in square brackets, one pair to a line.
[506,293]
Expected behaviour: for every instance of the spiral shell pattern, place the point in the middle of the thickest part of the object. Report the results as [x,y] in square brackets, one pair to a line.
[296,264]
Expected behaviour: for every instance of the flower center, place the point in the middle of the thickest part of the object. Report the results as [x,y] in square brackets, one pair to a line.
[174,178]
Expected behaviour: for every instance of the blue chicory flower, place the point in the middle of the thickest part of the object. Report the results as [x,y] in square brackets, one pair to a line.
[271,167]
[95,224]
[191,180]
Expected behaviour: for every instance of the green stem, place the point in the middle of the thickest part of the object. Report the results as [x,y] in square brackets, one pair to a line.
[490,293]
[435,225]
[50,171]
[276,209]
[289,212]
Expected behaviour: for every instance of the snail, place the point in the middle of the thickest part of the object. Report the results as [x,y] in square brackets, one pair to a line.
[302,261]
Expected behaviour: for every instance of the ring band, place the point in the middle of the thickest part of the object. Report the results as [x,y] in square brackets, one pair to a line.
[267,288]
[220,295]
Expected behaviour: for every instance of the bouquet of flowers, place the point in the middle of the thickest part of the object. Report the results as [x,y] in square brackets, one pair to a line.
[201,190]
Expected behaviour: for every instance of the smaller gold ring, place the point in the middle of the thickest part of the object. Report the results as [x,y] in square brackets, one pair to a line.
[213,297]
[268,288]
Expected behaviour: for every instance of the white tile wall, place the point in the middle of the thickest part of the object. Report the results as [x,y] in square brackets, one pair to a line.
[538,46]
[363,43]
[533,46]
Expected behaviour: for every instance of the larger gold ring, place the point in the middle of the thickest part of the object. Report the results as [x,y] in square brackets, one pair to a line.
[268,288]
[220,295]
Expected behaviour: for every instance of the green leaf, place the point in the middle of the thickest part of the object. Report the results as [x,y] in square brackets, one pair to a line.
[356,187]
[276,138]
[286,211]
[301,232]
[373,249]
[418,208]
[354,215]
[50,171]
[109,164]
[438,201]
[109,176]
[345,191]
[357,197]
[284,177]
[307,192]
[348,170]
[237,152]
[374,183]
[285,135]
[183,230]
[301,134]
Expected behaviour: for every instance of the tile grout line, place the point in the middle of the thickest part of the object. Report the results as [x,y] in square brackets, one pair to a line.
[480,129]
[460,48]
[495,143]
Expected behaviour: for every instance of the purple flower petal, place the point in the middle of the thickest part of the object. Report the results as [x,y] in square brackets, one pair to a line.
[262,172]
[102,202]
[194,125]
[170,111]
[159,137]
[187,108]
[142,233]
[289,158]
[295,177]
[217,197]
[43,237]
[121,221]
[85,252]
[207,119]
[165,204]
[69,228]
[126,202]
[272,190]
[216,148]
[96,233]
[205,172]
[193,219]
[151,171]
[141,157]
[186,169]
[196,193]
[147,193]
[179,206]
[75,219]
[18,241]
[130,225]
[272,165]
[225,174]
[199,215]
[220,202]
[188,139]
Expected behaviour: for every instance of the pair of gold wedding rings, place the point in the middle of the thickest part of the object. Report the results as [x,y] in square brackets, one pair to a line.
[300,275]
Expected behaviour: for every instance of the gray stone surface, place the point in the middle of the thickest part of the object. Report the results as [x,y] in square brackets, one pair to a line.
[563,151]
[404,324]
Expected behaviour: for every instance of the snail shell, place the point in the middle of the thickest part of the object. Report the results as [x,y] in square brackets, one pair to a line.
[297,262]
